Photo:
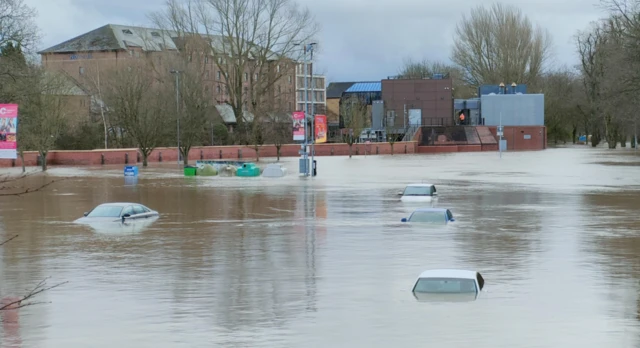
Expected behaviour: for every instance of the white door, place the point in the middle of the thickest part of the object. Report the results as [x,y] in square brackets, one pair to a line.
[415,117]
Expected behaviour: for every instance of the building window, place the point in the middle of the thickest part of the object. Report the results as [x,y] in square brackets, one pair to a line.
[127,31]
[153,33]
[206,89]
[206,59]
[131,53]
[279,89]
[246,77]
[81,71]
[190,57]
[218,75]
[218,89]
[206,74]
[290,106]
[289,78]
[278,68]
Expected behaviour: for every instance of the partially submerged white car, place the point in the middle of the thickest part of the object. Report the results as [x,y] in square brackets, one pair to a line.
[448,284]
[117,212]
[418,193]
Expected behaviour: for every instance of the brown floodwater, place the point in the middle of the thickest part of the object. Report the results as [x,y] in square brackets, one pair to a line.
[325,262]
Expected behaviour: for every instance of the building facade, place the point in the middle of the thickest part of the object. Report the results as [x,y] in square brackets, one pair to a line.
[316,96]
[111,46]
[418,102]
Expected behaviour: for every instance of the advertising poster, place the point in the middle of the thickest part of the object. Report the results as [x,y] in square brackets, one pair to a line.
[298,125]
[321,128]
[8,130]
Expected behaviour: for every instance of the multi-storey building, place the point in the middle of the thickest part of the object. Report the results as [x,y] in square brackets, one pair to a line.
[112,46]
[316,98]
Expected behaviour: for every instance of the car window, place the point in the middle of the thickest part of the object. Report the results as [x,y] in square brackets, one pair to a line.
[445,285]
[137,209]
[127,210]
[105,211]
[427,217]
[417,191]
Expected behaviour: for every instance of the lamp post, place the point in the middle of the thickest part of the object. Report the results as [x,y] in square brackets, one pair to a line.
[313,111]
[177,73]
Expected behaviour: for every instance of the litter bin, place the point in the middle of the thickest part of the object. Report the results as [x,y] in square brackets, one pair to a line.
[190,171]
[315,172]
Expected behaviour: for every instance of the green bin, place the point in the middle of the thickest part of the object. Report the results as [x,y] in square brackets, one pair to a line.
[248,169]
[189,171]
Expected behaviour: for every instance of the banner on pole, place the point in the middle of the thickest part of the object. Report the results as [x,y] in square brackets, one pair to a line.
[8,131]
[298,125]
[321,128]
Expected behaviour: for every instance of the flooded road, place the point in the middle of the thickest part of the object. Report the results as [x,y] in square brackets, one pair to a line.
[325,262]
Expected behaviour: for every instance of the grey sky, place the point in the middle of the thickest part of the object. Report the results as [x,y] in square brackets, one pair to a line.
[361,39]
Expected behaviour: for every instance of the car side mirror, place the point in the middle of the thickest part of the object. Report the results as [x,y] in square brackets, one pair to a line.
[126,215]
[403,220]
[86,213]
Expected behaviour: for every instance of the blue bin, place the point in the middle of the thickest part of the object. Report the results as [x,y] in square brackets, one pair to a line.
[131,171]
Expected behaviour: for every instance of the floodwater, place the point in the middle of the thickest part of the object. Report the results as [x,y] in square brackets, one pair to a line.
[324,262]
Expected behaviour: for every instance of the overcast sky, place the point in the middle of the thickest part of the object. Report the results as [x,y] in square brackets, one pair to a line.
[361,39]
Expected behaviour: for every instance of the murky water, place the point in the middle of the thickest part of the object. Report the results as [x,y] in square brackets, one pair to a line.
[324,262]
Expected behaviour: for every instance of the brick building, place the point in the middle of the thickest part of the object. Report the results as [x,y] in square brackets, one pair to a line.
[112,46]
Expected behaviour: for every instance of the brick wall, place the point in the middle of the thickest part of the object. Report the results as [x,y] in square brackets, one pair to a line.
[118,156]
[516,137]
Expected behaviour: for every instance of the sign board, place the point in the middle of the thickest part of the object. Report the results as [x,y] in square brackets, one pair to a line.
[298,125]
[503,145]
[131,171]
[320,122]
[8,131]
[527,136]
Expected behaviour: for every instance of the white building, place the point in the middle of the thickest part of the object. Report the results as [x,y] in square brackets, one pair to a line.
[317,91]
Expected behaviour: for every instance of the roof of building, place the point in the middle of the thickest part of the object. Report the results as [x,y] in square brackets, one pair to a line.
[364,87]
[335,89]
[119,37]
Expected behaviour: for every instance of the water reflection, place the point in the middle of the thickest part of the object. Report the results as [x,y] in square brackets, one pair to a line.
[324,262]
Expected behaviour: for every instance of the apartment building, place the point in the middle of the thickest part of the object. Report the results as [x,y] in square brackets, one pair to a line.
[114,45]
[316,95]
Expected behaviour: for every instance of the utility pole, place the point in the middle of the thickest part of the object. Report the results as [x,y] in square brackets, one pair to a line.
[313,113]
[177,73]
[306,112]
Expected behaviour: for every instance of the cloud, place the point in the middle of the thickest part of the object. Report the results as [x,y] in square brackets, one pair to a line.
[360,39]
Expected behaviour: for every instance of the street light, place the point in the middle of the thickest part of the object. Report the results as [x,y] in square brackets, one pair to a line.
[177,73]
[313,109]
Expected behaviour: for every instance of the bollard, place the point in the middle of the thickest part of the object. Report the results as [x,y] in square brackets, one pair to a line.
[102,158]
[201,155]
[332,151]
[13,162]
[377,151]
[220,154]
[160,156]
[405,148]
[357,150]
[126,158]
[137,156]
[239,153]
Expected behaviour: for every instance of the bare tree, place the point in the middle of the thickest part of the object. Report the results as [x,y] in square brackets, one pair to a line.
[18,24]
[354,113]
[140,105]
[254,43]
[279,129]
[43,114]
[500,44]
[563,97]
[413,69]
[26,299]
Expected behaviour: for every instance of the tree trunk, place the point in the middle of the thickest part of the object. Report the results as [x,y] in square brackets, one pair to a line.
[257,148]
[278,152]
[391,148]
[145,157]
[623,140]
[43,156]
[22,160]
[350,145]
[574,134]
[185,154]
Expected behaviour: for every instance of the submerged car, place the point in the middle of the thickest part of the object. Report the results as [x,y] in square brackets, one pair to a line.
[448,284]
[117,212]
[430,216]
[418,193]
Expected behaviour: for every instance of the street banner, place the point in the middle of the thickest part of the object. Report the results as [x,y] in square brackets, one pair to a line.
[298,125]
[8,130]
[321,128]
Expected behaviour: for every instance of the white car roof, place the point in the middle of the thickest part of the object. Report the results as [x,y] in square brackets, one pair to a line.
[420,185]
[448,273]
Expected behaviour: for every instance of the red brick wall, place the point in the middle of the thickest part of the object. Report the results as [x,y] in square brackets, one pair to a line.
[515,137]
[117,156]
